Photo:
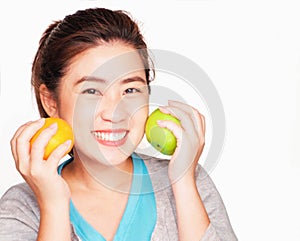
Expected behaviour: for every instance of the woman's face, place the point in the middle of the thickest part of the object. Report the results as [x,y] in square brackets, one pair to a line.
[104,96]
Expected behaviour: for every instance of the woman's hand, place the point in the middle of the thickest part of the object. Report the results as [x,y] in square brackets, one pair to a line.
[51,191]
[192,218]
[190,139]
[41,175]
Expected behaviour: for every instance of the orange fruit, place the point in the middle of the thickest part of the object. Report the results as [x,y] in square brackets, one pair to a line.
[64,132]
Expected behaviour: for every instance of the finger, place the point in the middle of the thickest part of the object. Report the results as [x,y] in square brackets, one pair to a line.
[20,143]
[203,124]
[170,125]
[178,104]
[183,106]
[58,154]
[198,118]
[14,138]
[20,129]
[186,120]
[199,124]
[38,147]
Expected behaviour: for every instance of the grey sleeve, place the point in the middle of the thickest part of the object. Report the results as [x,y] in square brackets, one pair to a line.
[19,214]
[220,228]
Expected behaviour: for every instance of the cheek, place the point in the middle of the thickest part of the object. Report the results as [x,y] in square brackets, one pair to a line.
[137,110]
[84,112]
[85,108]
[78,111]
[66,108]
[138,120]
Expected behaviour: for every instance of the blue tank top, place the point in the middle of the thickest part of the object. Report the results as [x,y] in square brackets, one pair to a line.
[139,218]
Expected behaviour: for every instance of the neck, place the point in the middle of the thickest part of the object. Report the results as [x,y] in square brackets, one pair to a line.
[98,177]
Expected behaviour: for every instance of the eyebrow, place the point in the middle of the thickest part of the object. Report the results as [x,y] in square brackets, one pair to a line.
[134,79]
[97,79]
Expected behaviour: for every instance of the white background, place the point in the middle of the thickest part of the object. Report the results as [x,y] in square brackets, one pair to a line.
[250,50]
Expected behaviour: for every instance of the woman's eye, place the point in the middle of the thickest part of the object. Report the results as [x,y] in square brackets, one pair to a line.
[92,92]
[131,91]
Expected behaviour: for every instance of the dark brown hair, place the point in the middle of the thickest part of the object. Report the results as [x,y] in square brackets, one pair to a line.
[64,39]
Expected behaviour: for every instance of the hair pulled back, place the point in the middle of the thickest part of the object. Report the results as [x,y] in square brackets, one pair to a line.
[64,39]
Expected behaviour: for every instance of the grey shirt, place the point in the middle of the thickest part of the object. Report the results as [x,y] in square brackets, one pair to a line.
[19,211]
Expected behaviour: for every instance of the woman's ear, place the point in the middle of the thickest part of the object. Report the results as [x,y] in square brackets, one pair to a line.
[48,100]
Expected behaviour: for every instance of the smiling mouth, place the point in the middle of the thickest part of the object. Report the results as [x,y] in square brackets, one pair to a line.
[110,137]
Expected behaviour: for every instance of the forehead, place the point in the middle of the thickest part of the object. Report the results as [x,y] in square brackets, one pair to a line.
[109,61]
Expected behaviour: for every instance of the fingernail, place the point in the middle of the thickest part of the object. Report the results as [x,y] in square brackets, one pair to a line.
[42,120]
[67,143]
[159,122]
[164,110]
[53,126]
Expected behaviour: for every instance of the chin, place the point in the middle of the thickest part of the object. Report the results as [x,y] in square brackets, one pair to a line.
[113,156]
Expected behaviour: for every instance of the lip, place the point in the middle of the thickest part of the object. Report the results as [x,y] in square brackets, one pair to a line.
[110,137]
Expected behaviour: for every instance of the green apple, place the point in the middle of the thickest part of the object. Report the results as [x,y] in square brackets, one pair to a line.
[160,138]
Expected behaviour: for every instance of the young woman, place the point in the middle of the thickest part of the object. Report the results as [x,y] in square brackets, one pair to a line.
[92,69]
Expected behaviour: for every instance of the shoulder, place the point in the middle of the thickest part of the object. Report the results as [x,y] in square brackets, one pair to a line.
[18,200]
[166,208]
[153,163]
[158,170]
[19,214]
[20,191]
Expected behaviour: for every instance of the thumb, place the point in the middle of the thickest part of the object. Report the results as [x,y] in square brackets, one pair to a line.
[55,157]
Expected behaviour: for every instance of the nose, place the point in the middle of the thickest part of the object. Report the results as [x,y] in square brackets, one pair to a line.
[110,109]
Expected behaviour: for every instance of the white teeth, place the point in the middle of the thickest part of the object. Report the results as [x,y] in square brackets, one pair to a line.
[109,136]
